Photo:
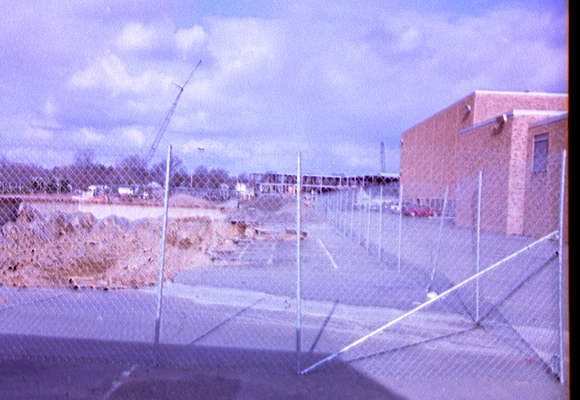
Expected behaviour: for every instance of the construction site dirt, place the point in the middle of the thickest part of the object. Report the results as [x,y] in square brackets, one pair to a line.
[52,248]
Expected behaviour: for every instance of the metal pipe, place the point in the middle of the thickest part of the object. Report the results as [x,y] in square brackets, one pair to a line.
[335,201]
[339,201]
[361,222]
[369,223]
[478,244]
[425,304]
[340,216]
[160,273]
[381,225]
[400,227]
[298,264]
[352,198]
[438,245]
[561,265]
[343,211]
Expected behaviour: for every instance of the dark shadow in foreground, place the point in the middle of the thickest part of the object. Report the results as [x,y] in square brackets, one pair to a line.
[44,367]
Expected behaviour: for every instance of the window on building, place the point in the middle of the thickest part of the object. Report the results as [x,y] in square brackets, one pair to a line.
[540,162]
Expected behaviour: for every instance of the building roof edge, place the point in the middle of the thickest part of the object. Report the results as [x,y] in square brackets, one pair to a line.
[512,93]
[549,120]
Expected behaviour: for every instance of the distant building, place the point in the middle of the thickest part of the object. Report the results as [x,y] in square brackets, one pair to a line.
[97,190]
[286,183]
[126,191]
[244,190]
[516,137]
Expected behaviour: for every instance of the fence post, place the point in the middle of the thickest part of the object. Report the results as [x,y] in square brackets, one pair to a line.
[361,221]
[437,247]
[400,227]
[337,209]
[478,244]
[160,274]
[341,204]
[381,225]
[344,210]
[298,263]
[561,265]
[325,201]
[352,198]
[369,223]
[335,205]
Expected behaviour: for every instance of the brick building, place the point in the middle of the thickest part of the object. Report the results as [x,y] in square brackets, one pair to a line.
[515,139]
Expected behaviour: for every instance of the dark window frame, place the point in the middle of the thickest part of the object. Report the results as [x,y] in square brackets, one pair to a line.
[540,154]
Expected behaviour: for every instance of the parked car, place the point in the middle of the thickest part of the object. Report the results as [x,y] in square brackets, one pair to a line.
[394,208]
[375,204]
[415,210]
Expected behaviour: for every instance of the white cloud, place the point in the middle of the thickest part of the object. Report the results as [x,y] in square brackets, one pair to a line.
[136,36]
[244,45]
[134,135]
[90,136]
[111,73]
[36,133]
[351,74]
[50,108]
[190,39]
[409,39]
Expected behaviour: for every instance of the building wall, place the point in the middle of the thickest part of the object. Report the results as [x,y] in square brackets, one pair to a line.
[426,165]
[489,104]
[484,149]
[541,214]
[504,157]
[449,148]
[427,149]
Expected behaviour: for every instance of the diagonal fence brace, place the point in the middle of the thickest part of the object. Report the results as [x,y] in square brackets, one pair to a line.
[425,304]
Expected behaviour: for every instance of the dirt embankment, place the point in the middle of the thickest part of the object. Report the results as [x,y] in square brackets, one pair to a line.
[77,250]
[274,209]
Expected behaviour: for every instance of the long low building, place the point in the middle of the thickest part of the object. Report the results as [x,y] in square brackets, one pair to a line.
[286,183]
[515,138]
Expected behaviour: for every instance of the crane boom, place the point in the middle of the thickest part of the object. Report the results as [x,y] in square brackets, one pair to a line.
[167,119]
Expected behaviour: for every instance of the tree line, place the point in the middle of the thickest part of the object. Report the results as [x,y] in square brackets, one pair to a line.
[84,171]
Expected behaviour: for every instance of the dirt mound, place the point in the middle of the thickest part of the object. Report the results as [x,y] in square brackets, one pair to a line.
[80,251]
[186,200]
[275,209]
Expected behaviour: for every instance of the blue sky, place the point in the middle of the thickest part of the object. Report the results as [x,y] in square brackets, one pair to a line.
[331,79]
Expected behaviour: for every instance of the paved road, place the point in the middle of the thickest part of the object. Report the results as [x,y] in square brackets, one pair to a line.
[238,321]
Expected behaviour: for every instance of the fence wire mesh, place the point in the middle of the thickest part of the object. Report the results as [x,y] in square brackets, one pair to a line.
[392,249]
[239,296]
[362,280]
[78,244]
[83,246]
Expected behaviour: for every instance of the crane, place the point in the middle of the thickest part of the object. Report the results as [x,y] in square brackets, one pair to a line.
[167,119]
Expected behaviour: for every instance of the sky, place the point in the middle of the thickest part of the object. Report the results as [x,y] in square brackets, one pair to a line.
[329,79]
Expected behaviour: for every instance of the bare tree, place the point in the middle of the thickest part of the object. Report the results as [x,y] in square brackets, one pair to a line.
[133,170]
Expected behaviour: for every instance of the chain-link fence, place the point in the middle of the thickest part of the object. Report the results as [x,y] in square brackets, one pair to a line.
[177,262]
[463,278]
[184,263]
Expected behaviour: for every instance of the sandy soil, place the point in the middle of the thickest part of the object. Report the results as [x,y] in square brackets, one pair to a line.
[79,250]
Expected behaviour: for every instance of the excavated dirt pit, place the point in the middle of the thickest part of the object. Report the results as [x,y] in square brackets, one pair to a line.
[78,250]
